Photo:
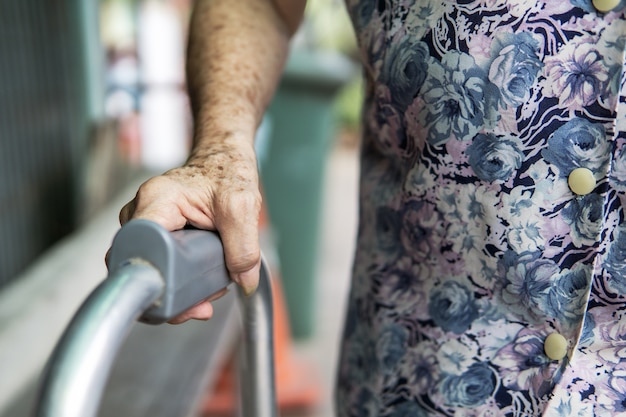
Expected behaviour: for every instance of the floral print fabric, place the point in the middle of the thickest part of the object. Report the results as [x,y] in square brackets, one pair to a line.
[472,248]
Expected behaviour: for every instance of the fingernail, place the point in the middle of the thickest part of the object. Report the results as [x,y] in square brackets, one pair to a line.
[249,290]
[247,287]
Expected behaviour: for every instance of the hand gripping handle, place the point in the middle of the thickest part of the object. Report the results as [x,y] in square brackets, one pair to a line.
[190,261]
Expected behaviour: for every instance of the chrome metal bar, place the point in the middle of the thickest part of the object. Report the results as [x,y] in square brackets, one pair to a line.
[80,364]
[257,372]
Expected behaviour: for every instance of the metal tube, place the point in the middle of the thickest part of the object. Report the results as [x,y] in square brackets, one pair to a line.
[78,369]
[80,364]
[257,373]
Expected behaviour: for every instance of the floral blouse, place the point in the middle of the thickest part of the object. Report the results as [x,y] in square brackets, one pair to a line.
[476,242]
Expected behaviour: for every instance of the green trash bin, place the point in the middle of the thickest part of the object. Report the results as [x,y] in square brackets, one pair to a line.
[302,124]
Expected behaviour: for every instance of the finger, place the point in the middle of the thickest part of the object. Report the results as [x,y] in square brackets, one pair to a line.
[238,224]
[107,256]
[201,311]
[243,260]
[240,237]
[249,279]
[218,295]
[158,200]
[126,213]
[167,216]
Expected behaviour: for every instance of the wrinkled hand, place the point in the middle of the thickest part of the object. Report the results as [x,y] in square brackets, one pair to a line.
[217,189]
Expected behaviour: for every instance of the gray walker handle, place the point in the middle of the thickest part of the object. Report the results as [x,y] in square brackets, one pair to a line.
[154,275]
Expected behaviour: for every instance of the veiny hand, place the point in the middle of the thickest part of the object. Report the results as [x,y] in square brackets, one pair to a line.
[217,189]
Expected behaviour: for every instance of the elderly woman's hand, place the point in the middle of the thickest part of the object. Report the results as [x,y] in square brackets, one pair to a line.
[217,189]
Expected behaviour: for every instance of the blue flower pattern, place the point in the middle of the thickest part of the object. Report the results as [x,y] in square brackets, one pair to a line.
[578,144]
[494,158]
[515,66]
[452,307]
[458,98]
[472,249]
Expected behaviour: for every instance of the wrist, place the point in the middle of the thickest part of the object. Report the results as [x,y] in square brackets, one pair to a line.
[223,147]
[225,119]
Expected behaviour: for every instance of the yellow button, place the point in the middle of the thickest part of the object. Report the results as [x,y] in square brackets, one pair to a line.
[581,181]
[555,346]
[605,5]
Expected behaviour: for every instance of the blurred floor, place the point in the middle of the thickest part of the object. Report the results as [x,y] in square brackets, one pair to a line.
[338,238]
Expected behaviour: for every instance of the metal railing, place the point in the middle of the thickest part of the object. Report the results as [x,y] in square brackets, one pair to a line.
[154,276]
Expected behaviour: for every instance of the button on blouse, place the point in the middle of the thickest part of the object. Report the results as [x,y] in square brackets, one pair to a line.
[555,346]
[605,5]
[581,181]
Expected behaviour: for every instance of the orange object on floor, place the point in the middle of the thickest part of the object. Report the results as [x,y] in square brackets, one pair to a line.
[297,383]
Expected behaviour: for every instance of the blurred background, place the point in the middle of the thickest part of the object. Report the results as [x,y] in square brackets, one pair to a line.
[93,102]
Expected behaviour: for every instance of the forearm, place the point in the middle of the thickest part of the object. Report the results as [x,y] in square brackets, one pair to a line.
[236,54]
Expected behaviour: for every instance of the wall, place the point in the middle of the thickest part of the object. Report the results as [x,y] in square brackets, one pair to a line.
[44,124]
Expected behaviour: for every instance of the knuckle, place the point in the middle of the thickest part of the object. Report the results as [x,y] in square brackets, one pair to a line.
[239,203]
[126,212]
[244,261]
[150,187]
